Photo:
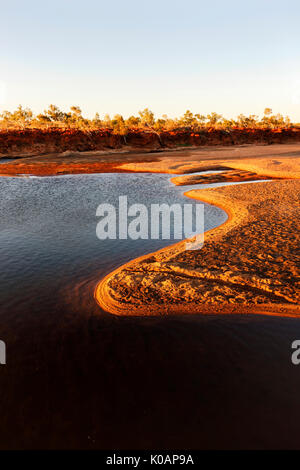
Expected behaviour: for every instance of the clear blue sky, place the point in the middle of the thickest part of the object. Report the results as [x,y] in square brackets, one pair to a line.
[120,56]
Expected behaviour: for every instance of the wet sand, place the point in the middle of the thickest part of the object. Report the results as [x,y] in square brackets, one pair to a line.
[223,176]
[174,161]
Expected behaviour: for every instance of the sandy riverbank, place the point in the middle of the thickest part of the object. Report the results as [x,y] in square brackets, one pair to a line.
[248,265]
[177,281]
[226,380]
[266,160]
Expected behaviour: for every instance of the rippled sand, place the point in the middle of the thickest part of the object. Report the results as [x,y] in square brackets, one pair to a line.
[248,265]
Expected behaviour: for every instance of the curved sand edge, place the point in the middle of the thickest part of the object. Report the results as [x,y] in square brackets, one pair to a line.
[102,290]
[237,214]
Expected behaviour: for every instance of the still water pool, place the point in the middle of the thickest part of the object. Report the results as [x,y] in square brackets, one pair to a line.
[50,254]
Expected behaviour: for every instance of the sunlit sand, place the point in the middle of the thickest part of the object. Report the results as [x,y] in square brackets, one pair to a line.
[248,265]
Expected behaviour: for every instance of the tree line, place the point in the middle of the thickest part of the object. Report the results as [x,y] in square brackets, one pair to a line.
[23,118]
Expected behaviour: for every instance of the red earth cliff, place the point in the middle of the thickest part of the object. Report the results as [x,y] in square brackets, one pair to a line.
[30,142]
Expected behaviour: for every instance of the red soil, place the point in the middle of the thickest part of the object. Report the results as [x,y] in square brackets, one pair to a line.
[29,142]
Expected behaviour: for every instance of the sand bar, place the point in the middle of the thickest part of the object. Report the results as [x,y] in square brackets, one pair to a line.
[250,264]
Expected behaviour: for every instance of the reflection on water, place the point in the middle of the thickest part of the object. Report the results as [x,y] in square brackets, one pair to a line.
[50,255]
[79,378]
[7,160]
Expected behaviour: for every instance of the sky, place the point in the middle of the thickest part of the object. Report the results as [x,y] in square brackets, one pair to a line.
[119,56]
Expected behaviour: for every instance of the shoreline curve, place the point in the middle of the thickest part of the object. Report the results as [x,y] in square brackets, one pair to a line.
[236,214]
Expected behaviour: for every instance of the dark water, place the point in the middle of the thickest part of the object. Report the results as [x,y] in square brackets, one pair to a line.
[77,377]
[7,160]
[50,255]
